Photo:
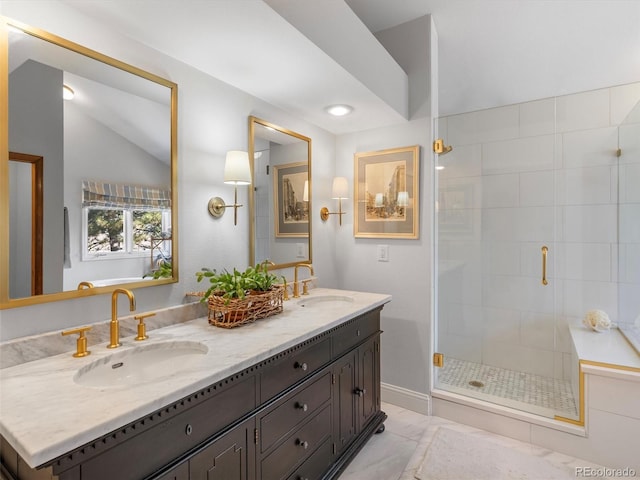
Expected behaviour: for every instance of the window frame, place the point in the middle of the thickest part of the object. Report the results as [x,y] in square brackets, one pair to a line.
[127,233]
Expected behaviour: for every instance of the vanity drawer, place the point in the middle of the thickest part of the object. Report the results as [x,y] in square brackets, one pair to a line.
[355,331]
[316,464]
[166,441]
[293,368]
[293,410]
[297,447]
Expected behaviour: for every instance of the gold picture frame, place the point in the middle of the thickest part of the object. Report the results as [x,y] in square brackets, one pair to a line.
[291,210]
[386,193]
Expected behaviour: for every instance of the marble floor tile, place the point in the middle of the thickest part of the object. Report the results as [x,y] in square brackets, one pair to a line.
[384,457]
[399,452]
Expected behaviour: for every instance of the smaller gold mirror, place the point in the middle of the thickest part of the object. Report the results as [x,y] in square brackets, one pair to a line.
[280,200]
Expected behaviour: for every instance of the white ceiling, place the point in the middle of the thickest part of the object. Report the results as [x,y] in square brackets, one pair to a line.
[491,52]
[497,52]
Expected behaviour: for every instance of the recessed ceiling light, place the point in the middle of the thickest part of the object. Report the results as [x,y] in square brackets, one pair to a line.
[439,167]
[67,92]
[339,110]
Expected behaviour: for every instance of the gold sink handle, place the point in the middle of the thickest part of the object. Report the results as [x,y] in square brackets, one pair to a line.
[81,343]
[142,334]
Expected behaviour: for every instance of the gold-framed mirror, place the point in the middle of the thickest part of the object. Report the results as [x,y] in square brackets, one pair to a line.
[280,200]
[108,212]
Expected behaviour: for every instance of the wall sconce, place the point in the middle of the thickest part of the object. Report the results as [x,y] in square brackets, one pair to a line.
[339,191]
[236,172]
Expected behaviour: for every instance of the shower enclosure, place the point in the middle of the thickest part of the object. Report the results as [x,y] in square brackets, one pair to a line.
[527,242]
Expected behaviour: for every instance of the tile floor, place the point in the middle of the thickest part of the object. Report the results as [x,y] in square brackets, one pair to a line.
[398,452]
[534,393]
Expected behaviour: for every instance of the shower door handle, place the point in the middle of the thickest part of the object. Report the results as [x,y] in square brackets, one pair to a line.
[545,250]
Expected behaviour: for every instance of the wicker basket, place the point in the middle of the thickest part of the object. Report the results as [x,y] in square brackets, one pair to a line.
[233,312]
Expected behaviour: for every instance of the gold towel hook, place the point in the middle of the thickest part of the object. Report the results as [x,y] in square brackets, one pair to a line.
[440,148]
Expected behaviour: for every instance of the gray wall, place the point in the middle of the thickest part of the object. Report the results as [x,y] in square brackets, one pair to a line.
[36,119]
[212,119]
[406,321]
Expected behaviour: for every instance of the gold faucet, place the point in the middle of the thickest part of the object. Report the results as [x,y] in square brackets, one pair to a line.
[82,285]
[114,326]
[296,288]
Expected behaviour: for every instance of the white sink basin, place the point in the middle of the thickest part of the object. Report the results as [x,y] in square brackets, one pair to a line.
[326,300]
[141,364]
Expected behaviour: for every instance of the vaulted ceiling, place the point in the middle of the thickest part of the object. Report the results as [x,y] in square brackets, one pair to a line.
[297,54]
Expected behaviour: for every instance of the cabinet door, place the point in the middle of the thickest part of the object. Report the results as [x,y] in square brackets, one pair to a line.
[231,457]
[345,418]
[368,388]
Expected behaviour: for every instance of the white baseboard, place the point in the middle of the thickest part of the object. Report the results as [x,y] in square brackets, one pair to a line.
[405,398]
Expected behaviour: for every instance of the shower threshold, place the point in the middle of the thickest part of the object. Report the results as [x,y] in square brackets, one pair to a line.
[523,391]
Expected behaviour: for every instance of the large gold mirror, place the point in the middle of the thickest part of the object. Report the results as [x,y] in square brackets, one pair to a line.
[103,162]
[280,200]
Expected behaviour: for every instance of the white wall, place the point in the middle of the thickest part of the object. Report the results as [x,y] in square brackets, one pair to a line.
[406,320]
[212,119]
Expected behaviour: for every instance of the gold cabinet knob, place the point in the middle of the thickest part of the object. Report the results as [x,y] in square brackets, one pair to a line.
[142,333]
[81,342]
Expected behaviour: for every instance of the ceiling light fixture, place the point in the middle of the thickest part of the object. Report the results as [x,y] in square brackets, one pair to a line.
[67,92]
[339,110]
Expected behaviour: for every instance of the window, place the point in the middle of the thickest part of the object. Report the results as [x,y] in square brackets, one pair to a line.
[125,220]
[113,233]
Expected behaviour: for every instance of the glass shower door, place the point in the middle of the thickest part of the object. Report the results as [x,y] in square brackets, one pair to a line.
[496,225]
[629,227]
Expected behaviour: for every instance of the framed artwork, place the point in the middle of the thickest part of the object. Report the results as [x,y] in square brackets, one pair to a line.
[290,199]
[386,193]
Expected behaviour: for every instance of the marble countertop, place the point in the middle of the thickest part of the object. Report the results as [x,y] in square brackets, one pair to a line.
[610,347]
[44,413]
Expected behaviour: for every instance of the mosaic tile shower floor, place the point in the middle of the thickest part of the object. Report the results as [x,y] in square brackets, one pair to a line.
[549,396]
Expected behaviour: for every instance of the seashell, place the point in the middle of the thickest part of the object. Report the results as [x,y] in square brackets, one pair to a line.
[597,320]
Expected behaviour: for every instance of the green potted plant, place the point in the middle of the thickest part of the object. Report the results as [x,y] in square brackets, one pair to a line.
[238,284]
[228,291]
[258,278]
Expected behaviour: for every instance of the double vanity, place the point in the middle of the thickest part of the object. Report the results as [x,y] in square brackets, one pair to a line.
[295,395]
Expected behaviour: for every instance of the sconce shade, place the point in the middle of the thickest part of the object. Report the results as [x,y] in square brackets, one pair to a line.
[403,199]
[340,188]
[305,192]
[236,168]
[379,200]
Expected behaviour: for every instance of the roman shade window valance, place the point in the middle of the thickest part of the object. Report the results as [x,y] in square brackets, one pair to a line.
[118,195]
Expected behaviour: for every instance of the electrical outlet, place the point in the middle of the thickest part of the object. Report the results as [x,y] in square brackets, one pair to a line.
[300,250]
[383,253]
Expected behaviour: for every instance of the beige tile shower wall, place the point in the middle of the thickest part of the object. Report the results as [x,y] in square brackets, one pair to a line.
[519,177]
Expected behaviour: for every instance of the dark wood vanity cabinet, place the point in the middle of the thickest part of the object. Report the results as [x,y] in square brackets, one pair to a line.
[304,413]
